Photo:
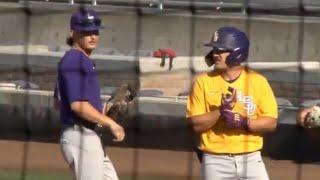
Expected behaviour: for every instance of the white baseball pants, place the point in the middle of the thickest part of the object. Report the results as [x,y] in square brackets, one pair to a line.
[233,167]
[82,149]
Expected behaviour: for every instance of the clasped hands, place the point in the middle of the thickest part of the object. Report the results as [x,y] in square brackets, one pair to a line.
[231,119]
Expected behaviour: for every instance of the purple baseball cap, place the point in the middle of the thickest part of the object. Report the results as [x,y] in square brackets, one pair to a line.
[85,20]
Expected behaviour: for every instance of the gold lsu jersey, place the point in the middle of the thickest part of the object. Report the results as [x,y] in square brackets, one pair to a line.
[254,98]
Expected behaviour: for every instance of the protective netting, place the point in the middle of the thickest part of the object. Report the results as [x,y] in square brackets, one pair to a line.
[284,47]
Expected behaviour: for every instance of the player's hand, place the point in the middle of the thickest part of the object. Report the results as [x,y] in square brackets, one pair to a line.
[117,131]
[302,116]
[228,100]
[234,120]
[231,119]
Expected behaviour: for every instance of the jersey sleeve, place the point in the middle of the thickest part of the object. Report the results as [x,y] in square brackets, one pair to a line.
[75,81]
[267,104]
[196,99]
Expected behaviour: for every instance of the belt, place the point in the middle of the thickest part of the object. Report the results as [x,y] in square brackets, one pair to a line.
[81,123]
[80,128]
[76,126]
[73,126]
[232,154]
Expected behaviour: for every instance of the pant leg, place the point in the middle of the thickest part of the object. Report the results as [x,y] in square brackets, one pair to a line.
[109,173]
[218,167]
[68,154]
[251,167]
[83,152]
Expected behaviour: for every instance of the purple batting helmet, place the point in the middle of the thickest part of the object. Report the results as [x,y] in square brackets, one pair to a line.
[232,40]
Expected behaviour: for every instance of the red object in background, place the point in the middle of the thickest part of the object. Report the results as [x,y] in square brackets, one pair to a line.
[165,52]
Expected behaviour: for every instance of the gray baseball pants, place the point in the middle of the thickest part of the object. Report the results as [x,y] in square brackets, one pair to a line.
[82,149]
[233,167]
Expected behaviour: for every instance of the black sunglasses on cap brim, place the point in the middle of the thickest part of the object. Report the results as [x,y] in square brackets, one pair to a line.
[89,22]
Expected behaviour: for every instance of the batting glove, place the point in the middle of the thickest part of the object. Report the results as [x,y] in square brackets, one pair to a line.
[234,120]
[231,119]
[228,100]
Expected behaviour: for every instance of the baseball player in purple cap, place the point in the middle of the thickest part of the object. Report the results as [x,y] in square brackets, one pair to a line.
[80,106]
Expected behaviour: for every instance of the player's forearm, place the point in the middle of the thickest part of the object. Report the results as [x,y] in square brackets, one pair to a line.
[263,124]
[204,122]
[86,111]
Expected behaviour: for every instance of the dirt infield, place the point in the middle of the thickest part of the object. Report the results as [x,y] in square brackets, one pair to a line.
[47,157]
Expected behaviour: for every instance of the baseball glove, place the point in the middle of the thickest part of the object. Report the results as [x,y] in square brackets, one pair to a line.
[117,105]
[313,118]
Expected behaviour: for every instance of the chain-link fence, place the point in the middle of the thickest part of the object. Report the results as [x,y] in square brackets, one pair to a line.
[284,41]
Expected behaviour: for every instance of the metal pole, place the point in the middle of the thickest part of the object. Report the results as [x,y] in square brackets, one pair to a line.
[160,5]
[71,2]
[94,2]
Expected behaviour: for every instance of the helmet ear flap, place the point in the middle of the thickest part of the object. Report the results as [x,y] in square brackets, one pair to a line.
[209,59]
[237,56]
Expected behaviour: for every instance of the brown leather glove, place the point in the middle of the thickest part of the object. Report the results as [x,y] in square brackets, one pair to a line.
[117,105]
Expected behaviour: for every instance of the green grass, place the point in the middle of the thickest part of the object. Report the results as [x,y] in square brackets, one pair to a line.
[37,175]
[30,175]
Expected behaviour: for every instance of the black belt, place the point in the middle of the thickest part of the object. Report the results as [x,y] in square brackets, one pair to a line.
[232,154]
[87,124]
[81,122]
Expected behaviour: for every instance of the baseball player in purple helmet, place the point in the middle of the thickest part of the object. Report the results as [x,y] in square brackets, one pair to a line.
[80,106]
[230,108]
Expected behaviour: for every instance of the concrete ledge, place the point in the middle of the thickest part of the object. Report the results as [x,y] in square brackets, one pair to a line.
[41,56]
[156,123]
